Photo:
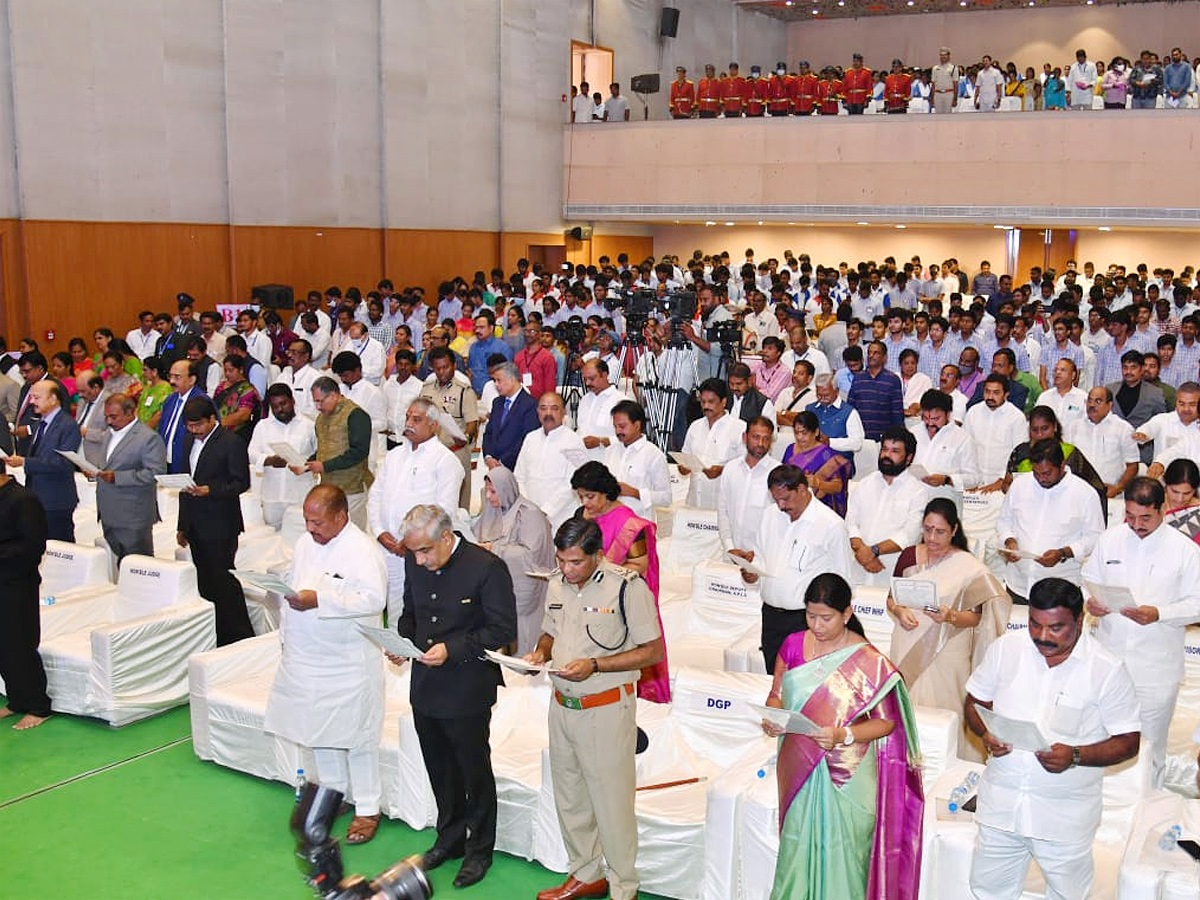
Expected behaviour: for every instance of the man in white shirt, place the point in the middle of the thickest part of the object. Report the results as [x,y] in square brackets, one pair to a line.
[401,388]
[742,494]
[885,510]
[715,439]
[258,344]
[1046,805]
[340,340]
[760,322]
[793,400]
[548,459]
[1106,441]
[582,105]
[214,338]
[593,421]
[370,399]
[369,350]
[143,339]
[639,467]
[281,487]
[948,380]
[1051,512]
[944,450]
[800,349]
[299,376]
[1068,402]
[1161,569]
[798,540]
[1175,434]
[318,339]
[995,427]
[989,86]
[328,689]
[1081,81]
[421,470]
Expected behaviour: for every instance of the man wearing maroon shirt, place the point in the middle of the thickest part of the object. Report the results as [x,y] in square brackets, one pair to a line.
[539,372]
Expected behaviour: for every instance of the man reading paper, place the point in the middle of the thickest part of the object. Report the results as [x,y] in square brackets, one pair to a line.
[328,690]
[1045,805]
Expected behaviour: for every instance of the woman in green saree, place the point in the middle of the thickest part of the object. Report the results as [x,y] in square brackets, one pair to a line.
[850,796]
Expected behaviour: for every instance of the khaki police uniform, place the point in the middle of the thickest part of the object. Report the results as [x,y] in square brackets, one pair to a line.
[592,728]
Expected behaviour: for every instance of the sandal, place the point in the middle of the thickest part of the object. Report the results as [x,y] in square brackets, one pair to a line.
[362,829]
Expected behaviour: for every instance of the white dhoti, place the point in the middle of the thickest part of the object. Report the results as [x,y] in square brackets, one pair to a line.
[1156,702]
[1001,861]
[340,769]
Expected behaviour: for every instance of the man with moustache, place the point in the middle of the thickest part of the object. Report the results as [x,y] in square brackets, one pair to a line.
[281,487]
[548,458]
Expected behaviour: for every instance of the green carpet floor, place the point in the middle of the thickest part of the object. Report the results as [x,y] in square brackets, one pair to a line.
[107,814]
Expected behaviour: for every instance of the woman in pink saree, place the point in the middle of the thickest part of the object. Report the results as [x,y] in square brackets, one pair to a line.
[850,796]
[629,541]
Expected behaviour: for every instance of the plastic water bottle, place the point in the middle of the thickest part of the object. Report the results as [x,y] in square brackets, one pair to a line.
[965,788]
[1170,838]
[300,782]
[49,601]
[762,773]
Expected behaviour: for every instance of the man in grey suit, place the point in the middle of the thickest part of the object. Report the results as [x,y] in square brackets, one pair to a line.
[125,488]
[89,415]
[1137,400]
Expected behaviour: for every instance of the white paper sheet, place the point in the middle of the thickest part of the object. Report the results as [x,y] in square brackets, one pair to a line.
[746,565]
[1019,554]
[688,460]
[516,663]
[389,640]
[915,593]
[263,581]
[918,472]
[1115,597]
[545,576]
[288,453]
[176,482]
[79,460]
[576,456]
[1017,733]
[790,722]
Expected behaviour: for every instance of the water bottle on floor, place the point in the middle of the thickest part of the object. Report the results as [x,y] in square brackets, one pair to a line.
[300,782]
[963,791]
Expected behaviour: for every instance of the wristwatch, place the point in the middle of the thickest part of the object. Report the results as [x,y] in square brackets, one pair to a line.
[875,550]
[848,740]
[1076,757]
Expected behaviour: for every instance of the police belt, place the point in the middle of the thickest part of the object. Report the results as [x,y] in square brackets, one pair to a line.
[591,701]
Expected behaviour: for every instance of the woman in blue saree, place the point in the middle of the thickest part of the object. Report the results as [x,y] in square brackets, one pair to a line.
[850,797]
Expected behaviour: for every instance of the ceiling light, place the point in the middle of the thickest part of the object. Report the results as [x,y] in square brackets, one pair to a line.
[760,222]
[862,223]
[841,2]
[901,226]
[1104,228]
[706,224]
[729,223]
[816,12]
[910,2]
[791,223]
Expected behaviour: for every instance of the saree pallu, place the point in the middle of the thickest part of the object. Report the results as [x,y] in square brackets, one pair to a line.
[825,464]
[621,527]
[850,817]
[936,660]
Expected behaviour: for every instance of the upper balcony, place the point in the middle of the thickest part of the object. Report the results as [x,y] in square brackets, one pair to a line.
[1065,169]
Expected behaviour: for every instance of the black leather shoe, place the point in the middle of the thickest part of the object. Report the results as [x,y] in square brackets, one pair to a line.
[472,872]
[435,856]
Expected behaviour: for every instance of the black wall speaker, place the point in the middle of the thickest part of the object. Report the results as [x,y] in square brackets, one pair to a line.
[273,296]
[670,22]
[645,84]
[580,233]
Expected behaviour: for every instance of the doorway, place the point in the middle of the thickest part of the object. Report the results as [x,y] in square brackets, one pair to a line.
[552,256]
[593,65]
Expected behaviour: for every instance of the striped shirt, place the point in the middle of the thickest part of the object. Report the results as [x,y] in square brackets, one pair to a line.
[879,400]
[1051,354]
[931,359]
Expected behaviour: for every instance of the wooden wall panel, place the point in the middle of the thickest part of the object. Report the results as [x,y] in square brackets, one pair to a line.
[611,245]
[80,275]
[426,258]
[14,311]
[306,258]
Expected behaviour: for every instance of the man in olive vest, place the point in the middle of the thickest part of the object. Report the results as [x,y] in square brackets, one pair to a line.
[343,444]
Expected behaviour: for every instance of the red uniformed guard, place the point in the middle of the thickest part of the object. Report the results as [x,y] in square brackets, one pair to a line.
[708,94]
[683,95]
[804,90]
[779,91]
[897,89]
[829,91]
[756,93]
[733,92]
[857,85]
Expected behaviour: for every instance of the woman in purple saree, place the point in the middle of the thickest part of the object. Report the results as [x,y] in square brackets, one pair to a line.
[629,541]
[850,797]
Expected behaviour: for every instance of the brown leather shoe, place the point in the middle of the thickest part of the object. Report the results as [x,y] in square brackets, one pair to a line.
[574,889]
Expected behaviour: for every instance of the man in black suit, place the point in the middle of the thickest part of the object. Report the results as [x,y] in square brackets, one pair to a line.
[514,414]
[746,402]
[458,602]
[47,473]
[32,367]
[210,514]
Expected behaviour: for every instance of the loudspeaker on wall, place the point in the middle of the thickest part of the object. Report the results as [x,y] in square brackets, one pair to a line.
[670,22]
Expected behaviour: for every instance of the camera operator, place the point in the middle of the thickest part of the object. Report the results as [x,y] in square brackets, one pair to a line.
[708,355]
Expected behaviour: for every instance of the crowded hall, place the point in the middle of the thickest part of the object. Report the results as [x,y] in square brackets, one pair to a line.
[792,511]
